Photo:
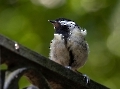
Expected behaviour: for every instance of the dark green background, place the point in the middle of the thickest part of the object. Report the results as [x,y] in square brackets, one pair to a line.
[26,21]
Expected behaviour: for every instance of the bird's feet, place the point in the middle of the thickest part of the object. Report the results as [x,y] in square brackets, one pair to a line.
[86,78]
[69,67]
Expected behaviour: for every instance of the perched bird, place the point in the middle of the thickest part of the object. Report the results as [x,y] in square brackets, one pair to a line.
[68,47]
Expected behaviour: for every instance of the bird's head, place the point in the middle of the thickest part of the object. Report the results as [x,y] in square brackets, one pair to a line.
[64,26]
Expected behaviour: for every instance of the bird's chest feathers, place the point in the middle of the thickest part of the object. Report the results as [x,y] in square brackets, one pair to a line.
[75,39]
[58,46]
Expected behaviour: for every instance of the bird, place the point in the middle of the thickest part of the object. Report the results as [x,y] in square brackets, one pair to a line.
[68,47]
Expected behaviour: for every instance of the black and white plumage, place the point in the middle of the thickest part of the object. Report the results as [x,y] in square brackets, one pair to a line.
[68,47]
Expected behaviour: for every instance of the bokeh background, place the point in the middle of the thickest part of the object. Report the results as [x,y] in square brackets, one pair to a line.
[26,21]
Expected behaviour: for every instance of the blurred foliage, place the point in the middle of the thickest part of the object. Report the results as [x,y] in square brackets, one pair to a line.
[26,21]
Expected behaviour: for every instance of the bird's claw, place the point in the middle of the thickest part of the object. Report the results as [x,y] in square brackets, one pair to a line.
[69,67]
[87,79]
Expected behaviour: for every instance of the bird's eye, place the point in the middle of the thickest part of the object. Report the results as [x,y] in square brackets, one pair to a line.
[64,23]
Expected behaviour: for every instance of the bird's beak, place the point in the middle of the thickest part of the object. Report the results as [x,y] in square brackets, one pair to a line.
[52,21]
[55,23]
